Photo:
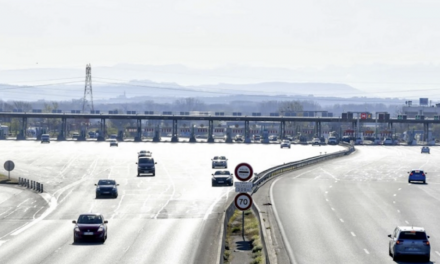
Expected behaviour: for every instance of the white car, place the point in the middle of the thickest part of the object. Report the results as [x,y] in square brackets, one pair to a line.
[387,141]
[145,153]
[285,144]
[332,141]
[113,142]
[219,161]
[316,141]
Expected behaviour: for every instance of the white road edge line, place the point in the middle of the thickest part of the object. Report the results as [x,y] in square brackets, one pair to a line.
[353,234]
[342,220]
[366,251]
[283,233]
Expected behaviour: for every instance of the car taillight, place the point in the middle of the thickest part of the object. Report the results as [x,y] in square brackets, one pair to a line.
[426,243]
[411,174]
[423,174]
[399,241]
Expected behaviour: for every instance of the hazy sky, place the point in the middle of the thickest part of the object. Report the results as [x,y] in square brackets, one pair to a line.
[216,33]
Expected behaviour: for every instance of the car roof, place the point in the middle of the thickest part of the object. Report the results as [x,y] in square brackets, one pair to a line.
[411,228]
[91,214]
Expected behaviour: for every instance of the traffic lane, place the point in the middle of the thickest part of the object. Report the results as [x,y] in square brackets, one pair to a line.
[311,232]
[322,174]
[75,170]
[378,164]
[381,207]
[18,207]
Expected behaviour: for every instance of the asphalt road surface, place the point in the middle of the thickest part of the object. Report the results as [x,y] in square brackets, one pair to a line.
[342,210]
[173,217]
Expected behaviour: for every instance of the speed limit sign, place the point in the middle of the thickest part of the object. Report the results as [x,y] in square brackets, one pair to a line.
[243,201]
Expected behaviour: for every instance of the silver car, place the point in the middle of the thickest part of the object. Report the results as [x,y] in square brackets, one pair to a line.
[409,240]
[285,144]
[220,161]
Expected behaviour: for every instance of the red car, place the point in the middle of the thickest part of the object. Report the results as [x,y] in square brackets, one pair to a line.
[90,227]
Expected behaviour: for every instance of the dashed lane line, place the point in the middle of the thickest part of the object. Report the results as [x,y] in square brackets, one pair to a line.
[353,234]
[342,220]
[366,251]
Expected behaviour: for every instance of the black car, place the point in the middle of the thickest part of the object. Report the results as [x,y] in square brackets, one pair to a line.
[90,227]
[106,187]
[146,165]
[222,177]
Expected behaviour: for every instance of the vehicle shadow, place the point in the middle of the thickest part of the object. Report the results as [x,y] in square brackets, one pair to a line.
[419,183]
[106,197]
[88,243]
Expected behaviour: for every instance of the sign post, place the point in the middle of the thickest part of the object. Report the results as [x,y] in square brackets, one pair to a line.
[9,165]
[243,201]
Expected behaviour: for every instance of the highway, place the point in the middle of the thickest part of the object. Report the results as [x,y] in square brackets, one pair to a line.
[342,210]
[173,217]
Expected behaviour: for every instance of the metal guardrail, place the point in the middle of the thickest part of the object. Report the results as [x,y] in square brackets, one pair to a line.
[260,180]
[271,173]
[31,184]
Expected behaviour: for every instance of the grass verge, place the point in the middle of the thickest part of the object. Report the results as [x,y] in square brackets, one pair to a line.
[5,180]
[251,231]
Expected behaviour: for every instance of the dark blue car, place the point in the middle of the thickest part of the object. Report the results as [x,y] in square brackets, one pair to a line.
[417,175]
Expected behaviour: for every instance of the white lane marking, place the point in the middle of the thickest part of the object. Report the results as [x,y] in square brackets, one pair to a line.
[52,201]
[400,189]
[366,251]
[22,202]
[394,194]
[4,241]
[6,211]
[353,234]
[326,200]
[299,175]
[394,201]
[172,195]
[333,208]
[342,220]
[326,192]
[317,177]
[33,217]
[211,207]
[438,253]
[398,211]
[115,212]
[277,217]
[407,222]
[336,181]
[331,186]
[333,176]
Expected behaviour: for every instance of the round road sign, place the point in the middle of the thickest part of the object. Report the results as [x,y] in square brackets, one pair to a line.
[243,201]
[243,172]
[9,165]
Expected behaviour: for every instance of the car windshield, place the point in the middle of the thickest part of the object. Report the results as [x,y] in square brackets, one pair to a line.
[215,158]
[106,182]
[286,141]
[222,173]
[143,151]
[222,157]
[417,172]
[146,161]
[90,219]
[412,235]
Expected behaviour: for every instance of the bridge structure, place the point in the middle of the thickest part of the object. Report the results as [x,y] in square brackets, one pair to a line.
[175,119]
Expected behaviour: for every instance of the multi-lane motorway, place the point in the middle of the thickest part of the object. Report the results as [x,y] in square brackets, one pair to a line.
[173,217]
[342,210]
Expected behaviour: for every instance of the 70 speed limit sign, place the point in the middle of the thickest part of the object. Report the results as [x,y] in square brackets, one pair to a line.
[243,201]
